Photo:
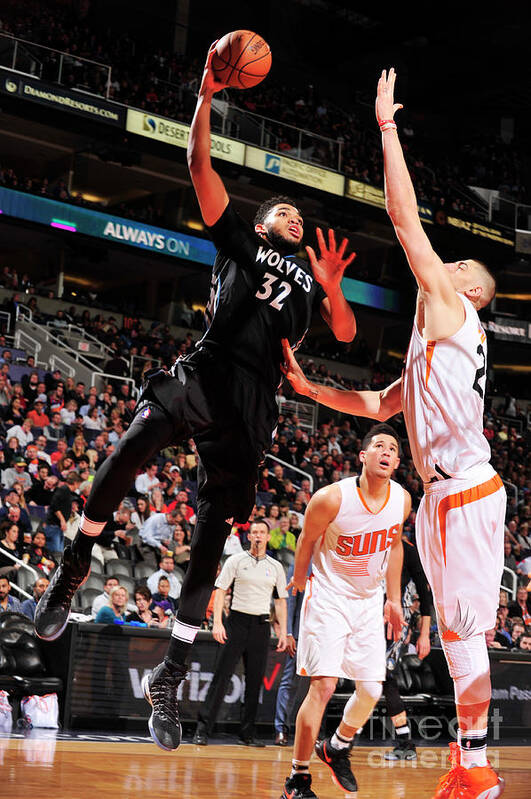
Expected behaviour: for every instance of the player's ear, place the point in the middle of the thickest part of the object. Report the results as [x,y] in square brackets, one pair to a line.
[474,294]
[362,456]
[260,229]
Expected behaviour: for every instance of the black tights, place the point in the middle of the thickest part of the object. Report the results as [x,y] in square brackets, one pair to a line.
[151,431]
[395,703]
[146,436]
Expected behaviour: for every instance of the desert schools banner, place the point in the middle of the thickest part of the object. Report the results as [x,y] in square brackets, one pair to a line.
[58,97]
[176,133]
[104,226]
[297,171]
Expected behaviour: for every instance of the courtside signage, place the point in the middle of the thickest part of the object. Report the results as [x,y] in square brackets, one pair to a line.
[170,132]
[104,226]
[37,91]
[297,171]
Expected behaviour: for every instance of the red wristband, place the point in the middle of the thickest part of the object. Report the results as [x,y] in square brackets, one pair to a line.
[383,121]
[388,125]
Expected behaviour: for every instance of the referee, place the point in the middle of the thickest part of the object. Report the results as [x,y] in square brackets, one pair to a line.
[254,576]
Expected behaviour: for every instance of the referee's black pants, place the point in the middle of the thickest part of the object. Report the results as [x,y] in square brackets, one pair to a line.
[247,635]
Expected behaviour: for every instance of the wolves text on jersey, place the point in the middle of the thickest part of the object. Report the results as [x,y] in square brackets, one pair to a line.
[366,543]
[285,267]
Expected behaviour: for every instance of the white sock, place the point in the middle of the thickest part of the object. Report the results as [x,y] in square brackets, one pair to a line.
[299,767]
[473,747]
[405,730]
[339,741]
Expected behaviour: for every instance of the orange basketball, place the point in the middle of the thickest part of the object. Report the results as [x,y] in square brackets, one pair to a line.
[241,60]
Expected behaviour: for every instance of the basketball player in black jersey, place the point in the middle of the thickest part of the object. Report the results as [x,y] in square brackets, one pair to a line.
[222,395]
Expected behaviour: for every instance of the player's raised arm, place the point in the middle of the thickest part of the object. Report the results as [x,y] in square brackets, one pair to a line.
[328,270]
[380,405]
[209,188]
[401,202]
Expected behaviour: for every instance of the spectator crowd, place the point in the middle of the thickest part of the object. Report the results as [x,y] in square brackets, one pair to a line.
[146,76]
[55,433]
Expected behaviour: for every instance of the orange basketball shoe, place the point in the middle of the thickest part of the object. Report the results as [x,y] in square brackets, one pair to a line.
[479,782]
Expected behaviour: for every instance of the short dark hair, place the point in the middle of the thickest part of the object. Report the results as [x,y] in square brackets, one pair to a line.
[267,205]
[378,430]
[144,591]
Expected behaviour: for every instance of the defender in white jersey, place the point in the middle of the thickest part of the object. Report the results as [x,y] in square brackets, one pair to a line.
[459,526]
[352,533]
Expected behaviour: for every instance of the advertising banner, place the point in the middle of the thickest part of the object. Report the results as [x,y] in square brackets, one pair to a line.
[109,663]
[104,226]
[168,131]
[297,171]
[61,98]
[371,195]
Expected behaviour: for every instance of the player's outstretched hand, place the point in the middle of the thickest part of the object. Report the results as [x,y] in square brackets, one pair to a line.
[385,103]
[393,619]
[209,82]
[329,268]
[219,633]
[292,370]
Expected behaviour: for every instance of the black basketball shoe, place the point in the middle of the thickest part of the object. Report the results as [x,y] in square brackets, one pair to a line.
[53,611]
[160,690]
[338,762]
[298,787]
[403,750]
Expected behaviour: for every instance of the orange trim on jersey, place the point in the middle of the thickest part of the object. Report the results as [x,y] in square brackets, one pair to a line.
[310,592]
[449,635]
[374,512]
[430,346]
[464,498]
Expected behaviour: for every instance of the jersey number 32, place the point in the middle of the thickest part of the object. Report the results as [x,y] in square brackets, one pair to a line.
[281,291]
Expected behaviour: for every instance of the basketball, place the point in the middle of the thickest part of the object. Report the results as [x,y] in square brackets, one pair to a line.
[241,59]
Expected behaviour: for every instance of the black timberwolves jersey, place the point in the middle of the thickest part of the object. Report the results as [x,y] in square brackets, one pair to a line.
[257,298]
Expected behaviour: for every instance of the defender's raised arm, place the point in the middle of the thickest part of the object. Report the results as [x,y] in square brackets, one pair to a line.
[401,202]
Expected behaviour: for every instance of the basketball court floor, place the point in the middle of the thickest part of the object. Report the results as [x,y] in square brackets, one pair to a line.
[44,765]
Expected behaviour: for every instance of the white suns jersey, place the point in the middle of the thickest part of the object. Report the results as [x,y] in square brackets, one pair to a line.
[352,555]
[443,389]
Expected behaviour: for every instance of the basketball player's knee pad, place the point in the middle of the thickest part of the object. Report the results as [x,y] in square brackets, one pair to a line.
[468,664]
[360,705]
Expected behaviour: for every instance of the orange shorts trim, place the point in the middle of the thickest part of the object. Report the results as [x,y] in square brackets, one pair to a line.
[464,498]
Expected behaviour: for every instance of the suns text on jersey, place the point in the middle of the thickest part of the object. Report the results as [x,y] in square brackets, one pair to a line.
[366,543]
